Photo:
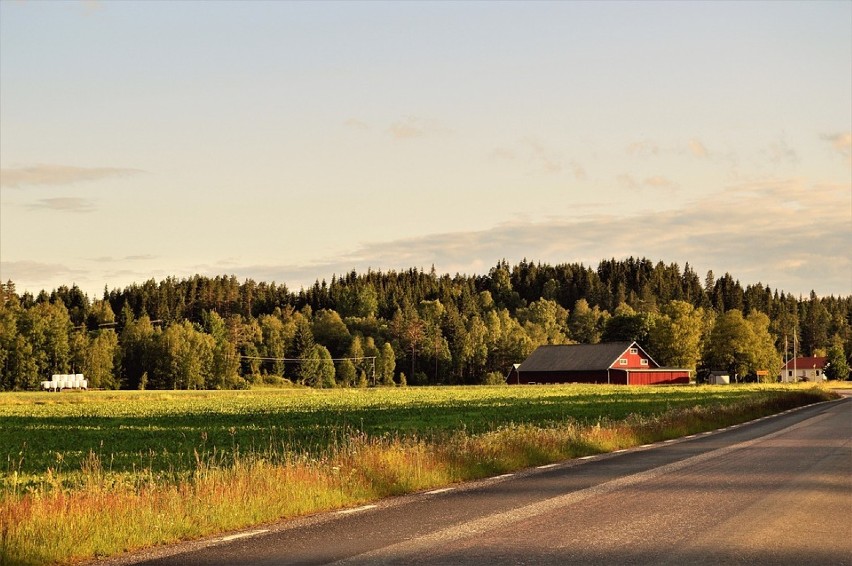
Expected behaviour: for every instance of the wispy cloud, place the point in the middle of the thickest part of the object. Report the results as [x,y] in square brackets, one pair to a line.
[503,154]
[356,124]
[629,181]
[64,204]
[653,182]
[415,127]
[697,148]
[545,159]
[660,182]
[780,153]
[110,259]
[643,148]
[35,273]
[92,6]
[13,177]
[539,157]
[841,143]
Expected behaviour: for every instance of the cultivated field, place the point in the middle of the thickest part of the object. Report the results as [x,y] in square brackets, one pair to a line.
[165,466]
[164,431]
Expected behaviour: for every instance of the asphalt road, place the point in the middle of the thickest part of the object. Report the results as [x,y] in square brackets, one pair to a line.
[775,491]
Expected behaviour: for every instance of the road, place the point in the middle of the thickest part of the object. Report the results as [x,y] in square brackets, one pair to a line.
[774,491]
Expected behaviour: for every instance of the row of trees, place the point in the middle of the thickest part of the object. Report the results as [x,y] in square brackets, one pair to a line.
[414,326]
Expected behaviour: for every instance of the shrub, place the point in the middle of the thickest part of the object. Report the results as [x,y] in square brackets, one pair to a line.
[494,378]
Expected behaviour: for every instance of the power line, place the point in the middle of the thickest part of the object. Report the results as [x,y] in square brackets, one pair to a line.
[264,358]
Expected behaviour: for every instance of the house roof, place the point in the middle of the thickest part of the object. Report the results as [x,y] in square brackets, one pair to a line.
[575,357]
[807,363]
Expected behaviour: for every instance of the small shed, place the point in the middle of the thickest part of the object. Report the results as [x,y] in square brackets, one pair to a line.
[624,363]
[719,378]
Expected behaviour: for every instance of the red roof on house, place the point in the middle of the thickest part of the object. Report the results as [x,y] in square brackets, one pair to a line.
[807,363]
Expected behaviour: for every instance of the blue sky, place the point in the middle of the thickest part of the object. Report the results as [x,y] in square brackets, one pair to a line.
[289,141]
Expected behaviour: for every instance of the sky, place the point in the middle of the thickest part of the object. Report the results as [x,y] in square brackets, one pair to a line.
[291,141]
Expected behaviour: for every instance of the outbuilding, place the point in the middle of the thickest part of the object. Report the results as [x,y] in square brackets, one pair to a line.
[623,363]
[718,377]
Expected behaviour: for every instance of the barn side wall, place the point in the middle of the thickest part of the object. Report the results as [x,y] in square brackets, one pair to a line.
[658,377]
[616,377]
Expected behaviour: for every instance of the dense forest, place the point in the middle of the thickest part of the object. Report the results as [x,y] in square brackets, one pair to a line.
[411,327]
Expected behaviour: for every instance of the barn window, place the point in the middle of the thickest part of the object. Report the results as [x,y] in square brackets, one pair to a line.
[643,361]
[622,361]
[634,351]
[790,373]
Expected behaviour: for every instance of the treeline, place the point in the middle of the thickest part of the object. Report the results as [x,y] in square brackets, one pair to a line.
[412,327]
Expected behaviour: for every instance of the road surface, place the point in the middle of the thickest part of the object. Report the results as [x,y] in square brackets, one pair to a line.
[774,491]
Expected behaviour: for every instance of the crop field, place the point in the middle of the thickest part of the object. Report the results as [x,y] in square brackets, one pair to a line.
[165,432]
[97,473]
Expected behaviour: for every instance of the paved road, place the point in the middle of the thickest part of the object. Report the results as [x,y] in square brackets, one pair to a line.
[776,491]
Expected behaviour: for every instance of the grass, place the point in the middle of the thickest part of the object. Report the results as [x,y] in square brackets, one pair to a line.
[216,461]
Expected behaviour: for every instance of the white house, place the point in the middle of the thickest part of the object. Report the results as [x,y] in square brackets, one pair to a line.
[804,369]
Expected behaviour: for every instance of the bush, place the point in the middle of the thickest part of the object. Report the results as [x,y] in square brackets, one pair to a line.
[236,382]
[362,379]
[276,381]
[494,378]
[420,378]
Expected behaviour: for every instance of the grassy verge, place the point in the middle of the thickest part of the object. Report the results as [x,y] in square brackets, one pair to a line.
[103,511]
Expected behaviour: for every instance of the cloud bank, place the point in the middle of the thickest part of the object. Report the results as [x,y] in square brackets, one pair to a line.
[789,235]
[784,234]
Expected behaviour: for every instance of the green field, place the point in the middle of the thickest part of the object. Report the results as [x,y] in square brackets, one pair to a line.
[165,431]
[97,473]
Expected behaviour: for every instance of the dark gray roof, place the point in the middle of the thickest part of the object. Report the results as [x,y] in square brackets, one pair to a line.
[575,357]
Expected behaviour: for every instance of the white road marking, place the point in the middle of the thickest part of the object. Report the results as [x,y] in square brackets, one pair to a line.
[670,440]
[646,445]
[356,509]
[502,477]
[586,458]
[442,490]
[620,451]
[242,535]
[546,466]
[397,553]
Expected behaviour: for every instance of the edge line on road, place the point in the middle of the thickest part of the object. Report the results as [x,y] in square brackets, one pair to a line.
[237,536]
[392,554]
[357,509]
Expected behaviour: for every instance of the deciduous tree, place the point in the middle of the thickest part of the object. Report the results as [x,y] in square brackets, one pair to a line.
[675,338]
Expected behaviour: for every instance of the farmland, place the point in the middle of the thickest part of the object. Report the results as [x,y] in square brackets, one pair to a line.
[164,431]
[160,466]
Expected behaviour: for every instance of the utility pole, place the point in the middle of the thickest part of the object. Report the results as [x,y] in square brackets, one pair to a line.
[795,375]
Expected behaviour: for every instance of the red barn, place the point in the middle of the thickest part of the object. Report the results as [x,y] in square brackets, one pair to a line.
[623,363]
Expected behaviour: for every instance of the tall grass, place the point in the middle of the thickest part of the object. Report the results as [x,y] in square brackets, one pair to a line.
[111,513]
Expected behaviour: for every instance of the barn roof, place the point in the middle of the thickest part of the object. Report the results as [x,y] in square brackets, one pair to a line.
[575,357]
